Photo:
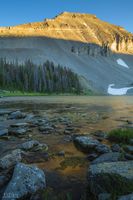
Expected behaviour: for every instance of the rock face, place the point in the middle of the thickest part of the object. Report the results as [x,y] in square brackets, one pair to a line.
[93,30]
[26,180]
[114,177]
[11,159]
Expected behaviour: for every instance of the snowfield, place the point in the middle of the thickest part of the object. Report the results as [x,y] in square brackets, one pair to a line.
[118,91]
[122,63]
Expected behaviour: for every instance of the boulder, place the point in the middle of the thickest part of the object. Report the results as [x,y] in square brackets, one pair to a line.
[3,131]
[102,148]
[116,148]
[61,153]
[5,112]
[18,131]
[10,159]
[115,178]
[26,181]
[128,156]
[87,144]
[33,145]
[108,157]
[104,196]
[46,129]
[17,115]
[92,156]
[29,117]
[129,149]
[100,134]
[131,141]
[22,124]
[126,197]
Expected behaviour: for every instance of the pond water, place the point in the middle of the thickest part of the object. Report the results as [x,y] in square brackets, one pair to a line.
[66,175]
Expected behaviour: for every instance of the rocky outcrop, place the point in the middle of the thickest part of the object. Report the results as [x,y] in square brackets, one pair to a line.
[26,180]
[92,50]
[115,178]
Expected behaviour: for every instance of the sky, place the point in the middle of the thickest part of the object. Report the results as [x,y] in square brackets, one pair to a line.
[13,12]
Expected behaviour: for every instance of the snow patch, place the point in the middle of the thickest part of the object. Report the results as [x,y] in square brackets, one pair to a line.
[122,63]
[118,91]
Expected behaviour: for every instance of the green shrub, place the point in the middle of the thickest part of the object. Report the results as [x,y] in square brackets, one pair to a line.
[121,135]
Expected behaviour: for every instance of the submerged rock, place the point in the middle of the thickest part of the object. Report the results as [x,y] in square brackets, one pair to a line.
[113,177]
[26,180]
[107,157]
[10,159]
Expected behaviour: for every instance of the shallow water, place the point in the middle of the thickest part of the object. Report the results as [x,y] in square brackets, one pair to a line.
[88,114]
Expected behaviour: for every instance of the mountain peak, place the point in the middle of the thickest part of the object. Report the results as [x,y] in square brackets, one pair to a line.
[75,14]
[73,26]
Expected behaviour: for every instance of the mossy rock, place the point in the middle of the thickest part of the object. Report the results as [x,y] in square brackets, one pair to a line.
[115,178]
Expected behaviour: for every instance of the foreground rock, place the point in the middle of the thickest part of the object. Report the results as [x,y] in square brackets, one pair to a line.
[26,180]
[33,145]
[107,157]
[10,159]
[115,178]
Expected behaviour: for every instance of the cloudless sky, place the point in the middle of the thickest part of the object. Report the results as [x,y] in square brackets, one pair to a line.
[119,12]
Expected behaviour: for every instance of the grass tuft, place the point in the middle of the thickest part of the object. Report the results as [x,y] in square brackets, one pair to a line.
[121,135]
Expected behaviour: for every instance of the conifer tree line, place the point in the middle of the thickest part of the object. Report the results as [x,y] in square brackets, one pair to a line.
[45,78]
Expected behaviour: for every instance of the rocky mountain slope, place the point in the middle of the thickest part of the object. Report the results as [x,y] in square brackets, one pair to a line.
[101,53]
